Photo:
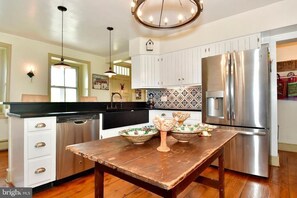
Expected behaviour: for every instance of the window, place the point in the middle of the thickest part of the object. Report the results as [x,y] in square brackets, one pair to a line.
[5,54]
[68,84]
[120,70]
[64,84]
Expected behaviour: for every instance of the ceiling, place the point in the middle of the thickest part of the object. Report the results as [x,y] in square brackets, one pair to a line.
[85,21]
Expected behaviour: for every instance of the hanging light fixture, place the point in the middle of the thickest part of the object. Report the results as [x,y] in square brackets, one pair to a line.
[110,73]
[166,14]
[61,63]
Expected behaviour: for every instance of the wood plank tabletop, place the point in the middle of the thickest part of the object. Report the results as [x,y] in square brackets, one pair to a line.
[144,162]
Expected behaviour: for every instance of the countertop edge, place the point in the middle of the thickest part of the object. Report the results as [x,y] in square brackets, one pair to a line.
[69,113]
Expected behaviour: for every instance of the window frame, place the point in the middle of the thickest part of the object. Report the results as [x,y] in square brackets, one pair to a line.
[76,63]
[8,48]
[78,88]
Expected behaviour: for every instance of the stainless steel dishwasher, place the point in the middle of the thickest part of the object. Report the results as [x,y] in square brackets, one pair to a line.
[72,130]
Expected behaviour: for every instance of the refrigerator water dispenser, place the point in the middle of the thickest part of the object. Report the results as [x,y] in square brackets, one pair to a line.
[215,104]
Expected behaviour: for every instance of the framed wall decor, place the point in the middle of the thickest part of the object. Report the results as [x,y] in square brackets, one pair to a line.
[138,94]
[100,82]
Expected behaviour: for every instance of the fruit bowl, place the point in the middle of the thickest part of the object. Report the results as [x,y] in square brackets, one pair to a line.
[185,132]
[138,135]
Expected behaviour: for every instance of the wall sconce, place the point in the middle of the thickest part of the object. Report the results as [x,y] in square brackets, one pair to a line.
[31,73]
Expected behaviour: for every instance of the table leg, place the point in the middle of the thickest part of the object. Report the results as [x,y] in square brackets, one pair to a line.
[221,175]
[99,182]
[170,194]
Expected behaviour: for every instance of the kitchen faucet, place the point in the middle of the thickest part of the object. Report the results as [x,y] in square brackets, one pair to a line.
[111,100]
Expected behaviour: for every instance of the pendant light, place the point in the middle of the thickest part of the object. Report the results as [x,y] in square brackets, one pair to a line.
[110,73]
[61,63]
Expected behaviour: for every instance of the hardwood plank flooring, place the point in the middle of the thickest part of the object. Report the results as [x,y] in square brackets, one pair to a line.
[281,183]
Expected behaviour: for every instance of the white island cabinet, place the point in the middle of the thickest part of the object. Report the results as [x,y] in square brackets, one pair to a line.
[33,151]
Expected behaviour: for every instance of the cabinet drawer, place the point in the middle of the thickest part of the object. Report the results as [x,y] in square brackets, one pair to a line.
[39,171]
[39,144]
[39,124]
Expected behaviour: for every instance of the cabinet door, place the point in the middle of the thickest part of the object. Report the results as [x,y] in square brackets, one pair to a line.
[168,74]
[255,41]
[196,66]
[138,72]
[208,50]
[152,71]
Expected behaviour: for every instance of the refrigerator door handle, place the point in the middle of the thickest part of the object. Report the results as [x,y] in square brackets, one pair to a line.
[232,87]
[252,133]
[228,114]
[227,88]
[233,115]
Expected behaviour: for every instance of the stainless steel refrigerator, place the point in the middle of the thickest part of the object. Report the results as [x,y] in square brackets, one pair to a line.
[235,95]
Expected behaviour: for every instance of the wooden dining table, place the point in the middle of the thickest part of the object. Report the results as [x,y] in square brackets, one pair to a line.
[166,174]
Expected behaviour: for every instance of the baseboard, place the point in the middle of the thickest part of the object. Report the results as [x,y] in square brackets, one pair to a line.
[3,145]
[274,160]
[8,176]
[287,147]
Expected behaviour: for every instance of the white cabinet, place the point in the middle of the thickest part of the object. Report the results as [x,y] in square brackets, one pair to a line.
[181,68]
[33,151]
[167,69]
[208,50]
[152,65]
[236,44]
[145,71]
[138,72]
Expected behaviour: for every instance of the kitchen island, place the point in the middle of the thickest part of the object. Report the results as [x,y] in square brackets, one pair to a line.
[166,174]
[37,128]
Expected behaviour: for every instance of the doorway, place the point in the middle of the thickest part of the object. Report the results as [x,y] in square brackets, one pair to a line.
[286,54]
[5,61]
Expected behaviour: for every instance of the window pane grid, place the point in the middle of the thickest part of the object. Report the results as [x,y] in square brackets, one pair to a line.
[119,70]
[64,84]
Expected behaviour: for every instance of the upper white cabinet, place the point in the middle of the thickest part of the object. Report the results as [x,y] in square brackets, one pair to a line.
[183,67]
[138,72]
[188,67]
[237,44]
[146,71]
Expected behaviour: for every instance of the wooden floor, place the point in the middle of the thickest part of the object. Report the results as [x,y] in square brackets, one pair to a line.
[282,183]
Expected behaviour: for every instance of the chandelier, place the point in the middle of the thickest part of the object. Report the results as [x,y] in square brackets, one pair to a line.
[166,14]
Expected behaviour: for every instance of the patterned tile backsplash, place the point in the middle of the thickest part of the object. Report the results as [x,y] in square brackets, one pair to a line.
[180,98]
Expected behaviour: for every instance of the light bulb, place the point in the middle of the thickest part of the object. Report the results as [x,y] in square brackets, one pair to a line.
[151,19]
[139,13]
[165,20]
[180,17]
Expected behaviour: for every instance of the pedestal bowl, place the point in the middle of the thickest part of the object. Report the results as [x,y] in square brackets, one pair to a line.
[181,117]
[164,125]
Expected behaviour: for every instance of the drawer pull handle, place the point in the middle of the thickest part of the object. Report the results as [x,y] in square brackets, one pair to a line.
[40,125]
[40,170]
[40,144]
